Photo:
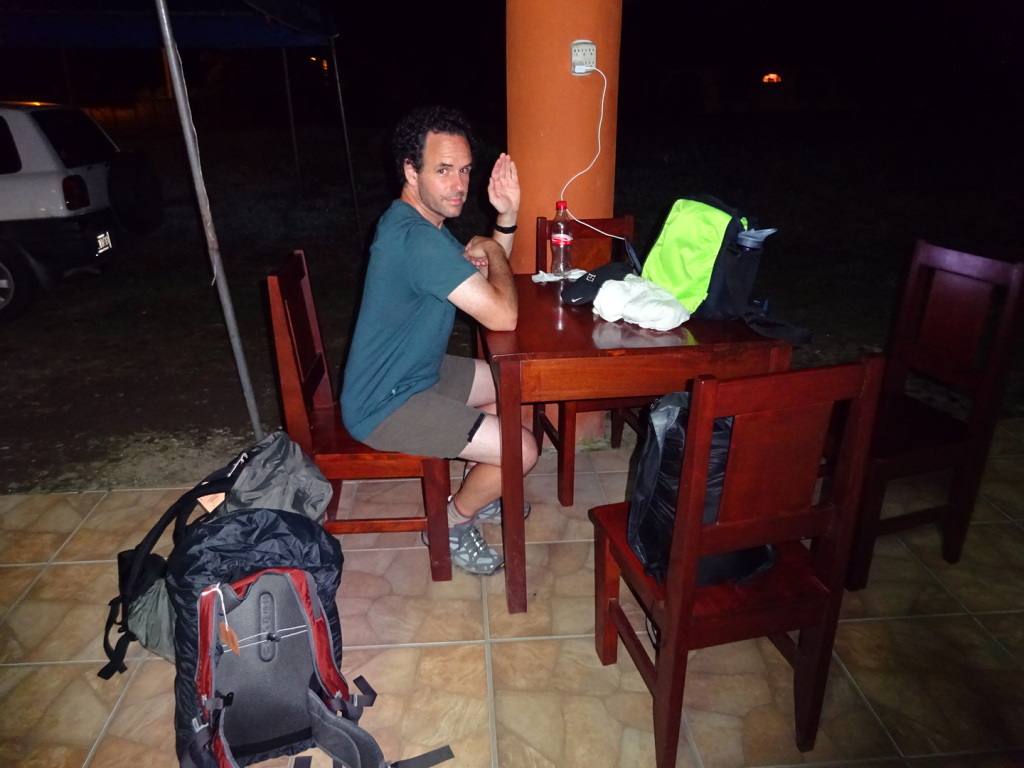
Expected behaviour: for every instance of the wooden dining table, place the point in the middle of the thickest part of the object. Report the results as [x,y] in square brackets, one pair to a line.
[562,353]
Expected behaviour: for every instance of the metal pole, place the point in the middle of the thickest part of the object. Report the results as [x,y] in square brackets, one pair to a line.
[348,150]
[188,129]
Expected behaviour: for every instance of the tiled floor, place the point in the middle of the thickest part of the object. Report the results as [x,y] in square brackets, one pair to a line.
[929,670]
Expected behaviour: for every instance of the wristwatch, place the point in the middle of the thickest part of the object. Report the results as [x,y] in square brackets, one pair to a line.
[506,230]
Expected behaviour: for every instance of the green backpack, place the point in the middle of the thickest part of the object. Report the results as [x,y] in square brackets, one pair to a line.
[700,236]
[707,256]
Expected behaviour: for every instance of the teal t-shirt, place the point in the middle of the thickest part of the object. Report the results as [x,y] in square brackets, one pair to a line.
[405,319]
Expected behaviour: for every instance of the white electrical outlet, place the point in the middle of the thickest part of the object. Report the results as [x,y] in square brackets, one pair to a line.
[582,57]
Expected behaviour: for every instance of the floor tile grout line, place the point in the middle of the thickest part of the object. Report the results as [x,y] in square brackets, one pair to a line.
[424,644]
[853,762]
[45,566]
[999,612]
[69,662]
[1006,651]
[837,659]
[492,722]
[539,638]
[928,759]
[113,713]
[688,733]
[936,576]
[965,614]
[450,643]
[81,524]
[931,572]
[998,508]
[28,588]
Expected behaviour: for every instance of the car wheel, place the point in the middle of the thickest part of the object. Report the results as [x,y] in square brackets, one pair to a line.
[18,285]
[135,194]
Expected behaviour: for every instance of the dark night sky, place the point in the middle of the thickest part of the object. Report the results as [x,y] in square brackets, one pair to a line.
[878,52]
[921,52]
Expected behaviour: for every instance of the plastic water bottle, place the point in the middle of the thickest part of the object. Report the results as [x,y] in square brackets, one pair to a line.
[753,238]
[561,241]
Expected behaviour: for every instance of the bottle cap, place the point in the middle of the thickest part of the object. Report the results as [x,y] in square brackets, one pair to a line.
[561,205]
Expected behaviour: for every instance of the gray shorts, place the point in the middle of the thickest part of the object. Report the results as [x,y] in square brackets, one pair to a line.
[437,421]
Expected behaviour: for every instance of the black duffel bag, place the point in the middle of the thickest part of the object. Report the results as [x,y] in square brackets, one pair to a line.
[652,511]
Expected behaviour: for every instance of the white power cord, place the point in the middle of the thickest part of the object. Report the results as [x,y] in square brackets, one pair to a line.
[600,122]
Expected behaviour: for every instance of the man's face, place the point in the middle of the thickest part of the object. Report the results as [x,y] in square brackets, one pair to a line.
[438,191]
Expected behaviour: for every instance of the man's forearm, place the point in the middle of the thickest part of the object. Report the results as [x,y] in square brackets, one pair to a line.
[505,239]
[499,275]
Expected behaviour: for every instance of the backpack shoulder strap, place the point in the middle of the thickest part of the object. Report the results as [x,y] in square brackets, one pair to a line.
[350,746]
[776,328]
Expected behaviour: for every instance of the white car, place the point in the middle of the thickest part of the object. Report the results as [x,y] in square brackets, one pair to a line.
[67,195]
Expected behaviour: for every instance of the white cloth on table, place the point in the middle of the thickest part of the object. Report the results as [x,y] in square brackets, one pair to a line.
[640,301]
[547,277]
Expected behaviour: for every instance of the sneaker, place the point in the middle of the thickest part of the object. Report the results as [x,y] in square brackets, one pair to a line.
[492,512]
[470,552]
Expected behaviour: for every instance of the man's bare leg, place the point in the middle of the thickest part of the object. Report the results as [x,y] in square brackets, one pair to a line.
[482,483]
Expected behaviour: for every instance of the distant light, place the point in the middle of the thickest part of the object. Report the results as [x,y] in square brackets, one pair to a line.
[771,78]
[312,58]
[323,65]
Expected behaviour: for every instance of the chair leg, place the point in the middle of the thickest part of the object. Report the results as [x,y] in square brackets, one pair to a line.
[436,489]
[810,678]
[606,589]
[865,533]
[668,699]
[963,493]
[566,452]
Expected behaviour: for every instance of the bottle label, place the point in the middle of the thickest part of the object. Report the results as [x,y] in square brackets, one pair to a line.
[561,238]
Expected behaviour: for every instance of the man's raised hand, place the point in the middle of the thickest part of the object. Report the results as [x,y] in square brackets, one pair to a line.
[503,188]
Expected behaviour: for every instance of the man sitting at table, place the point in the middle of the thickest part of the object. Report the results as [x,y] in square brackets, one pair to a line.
[401,392]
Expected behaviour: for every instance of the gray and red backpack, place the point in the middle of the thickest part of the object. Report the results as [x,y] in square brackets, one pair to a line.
[245,608]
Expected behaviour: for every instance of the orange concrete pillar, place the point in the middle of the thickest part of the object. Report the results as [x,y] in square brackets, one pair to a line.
[553,115]
[553,118]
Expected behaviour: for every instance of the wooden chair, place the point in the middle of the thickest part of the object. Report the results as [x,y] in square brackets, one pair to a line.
[956,325]
[312,416]
[772,494]
[590,250]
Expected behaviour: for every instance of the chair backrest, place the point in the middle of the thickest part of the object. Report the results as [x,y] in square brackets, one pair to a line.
[302,366]
[783,427]
[584,257]
[956,323]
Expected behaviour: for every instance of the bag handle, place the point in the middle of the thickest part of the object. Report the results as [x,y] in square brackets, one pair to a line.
[179,512]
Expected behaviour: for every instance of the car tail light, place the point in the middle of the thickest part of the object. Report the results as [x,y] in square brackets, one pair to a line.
[76,193]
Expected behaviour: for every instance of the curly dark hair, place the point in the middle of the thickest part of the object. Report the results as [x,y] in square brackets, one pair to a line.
[410,135]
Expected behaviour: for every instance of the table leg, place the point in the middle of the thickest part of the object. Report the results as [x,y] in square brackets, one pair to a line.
[513,524]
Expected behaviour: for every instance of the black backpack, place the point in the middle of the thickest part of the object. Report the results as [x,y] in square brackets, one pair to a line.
[256,634]
[652,509]
[274,473]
